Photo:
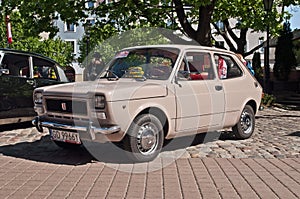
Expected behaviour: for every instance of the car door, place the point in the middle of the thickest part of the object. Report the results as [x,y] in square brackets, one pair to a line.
[199,94]
[236,86]
[16,86]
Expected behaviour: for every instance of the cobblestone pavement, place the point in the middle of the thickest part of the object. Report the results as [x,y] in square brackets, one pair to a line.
[265,166]
[277,135]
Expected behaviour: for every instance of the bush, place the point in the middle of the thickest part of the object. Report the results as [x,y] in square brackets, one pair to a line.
[268,100]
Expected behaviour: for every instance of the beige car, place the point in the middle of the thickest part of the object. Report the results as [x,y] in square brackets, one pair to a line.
[148,94]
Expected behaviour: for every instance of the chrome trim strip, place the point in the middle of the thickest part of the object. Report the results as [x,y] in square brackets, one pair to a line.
[92,130]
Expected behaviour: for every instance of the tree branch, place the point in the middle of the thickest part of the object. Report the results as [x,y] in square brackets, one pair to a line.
[183,19]
[230,31]
[225,37]
[254,49]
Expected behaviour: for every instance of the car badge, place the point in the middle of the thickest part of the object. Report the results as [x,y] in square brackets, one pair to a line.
[63,106]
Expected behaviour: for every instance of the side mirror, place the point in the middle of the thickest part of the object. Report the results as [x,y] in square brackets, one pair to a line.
[4,72]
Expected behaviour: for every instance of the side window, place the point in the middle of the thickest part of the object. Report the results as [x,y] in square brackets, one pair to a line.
[44,69]
[18,65]
[196,66]
[227,68]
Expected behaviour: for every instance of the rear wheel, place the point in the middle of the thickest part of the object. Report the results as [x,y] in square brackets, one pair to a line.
[245,126]
[144,139]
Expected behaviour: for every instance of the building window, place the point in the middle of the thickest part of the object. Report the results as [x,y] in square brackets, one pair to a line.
[70,27]
[73,44]
[90,22]
[220,25]
[90,4]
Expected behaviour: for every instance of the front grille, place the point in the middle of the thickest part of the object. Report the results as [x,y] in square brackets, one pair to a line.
[66,106]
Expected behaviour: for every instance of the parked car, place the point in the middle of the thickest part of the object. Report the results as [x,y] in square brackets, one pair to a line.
[20,73]
[151,93]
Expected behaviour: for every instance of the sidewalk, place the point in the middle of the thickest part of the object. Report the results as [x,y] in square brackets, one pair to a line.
[266,166]
[185,178]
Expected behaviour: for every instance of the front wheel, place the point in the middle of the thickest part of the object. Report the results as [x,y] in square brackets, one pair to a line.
[245,126]
[144,139]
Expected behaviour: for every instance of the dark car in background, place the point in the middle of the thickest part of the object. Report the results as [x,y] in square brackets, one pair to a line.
[20,73]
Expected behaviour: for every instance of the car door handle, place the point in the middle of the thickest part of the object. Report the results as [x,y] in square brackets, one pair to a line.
[218,87]
[31,82]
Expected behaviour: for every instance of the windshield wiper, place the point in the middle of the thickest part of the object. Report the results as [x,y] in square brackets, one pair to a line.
[114,78]
[142,78]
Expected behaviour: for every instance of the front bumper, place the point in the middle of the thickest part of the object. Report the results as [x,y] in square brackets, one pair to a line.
[90,129]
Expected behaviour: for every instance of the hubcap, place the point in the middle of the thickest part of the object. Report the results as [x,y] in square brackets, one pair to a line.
[147,138]
[246,122]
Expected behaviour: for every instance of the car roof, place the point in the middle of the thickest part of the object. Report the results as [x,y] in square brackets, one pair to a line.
[181,47]
[27,53]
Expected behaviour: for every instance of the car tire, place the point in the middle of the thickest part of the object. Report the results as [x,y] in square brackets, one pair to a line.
[66,145]
[245,126]
[144,138]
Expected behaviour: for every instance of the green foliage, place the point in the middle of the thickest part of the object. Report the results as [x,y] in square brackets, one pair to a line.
[39,15]
[56,49]
[191,17]
[285,58]
[251,14]
[268,100]
[142,36]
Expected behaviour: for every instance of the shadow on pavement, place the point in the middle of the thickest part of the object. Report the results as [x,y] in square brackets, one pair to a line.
[276,116]
[10,127]
[297,134]
[44,150]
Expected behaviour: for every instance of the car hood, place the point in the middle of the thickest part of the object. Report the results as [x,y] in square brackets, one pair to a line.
[123,89]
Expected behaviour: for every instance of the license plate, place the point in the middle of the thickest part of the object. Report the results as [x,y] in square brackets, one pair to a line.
[65,136]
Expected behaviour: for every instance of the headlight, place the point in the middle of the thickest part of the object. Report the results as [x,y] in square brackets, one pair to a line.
[38,98]
[99,102]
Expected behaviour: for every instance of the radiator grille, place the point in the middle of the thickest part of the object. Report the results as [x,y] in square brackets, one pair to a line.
[66,106]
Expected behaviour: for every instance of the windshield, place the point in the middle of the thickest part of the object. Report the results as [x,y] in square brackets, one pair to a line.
[146,63]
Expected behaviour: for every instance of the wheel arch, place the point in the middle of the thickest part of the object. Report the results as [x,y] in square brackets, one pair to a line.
[160,114]
[253,104]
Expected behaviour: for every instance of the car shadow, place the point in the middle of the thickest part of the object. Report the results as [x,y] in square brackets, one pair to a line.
[296,134]
[10,127]
[276,116]
[45,150]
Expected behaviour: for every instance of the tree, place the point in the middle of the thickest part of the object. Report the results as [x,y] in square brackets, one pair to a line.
[194,18]
[56,49]
[175,14]
[39,16]
[285,58]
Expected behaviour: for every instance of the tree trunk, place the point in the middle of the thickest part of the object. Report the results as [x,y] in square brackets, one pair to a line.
[203,33]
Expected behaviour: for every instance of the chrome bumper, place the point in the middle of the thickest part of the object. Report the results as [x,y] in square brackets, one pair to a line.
[90,129]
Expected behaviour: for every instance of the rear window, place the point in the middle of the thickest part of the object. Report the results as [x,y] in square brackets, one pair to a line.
[227,68]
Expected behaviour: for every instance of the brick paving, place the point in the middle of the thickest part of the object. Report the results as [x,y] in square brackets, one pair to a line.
[264,166]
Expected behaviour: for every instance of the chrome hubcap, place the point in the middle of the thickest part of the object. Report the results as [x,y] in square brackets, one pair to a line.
[147,138]
[246,122]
